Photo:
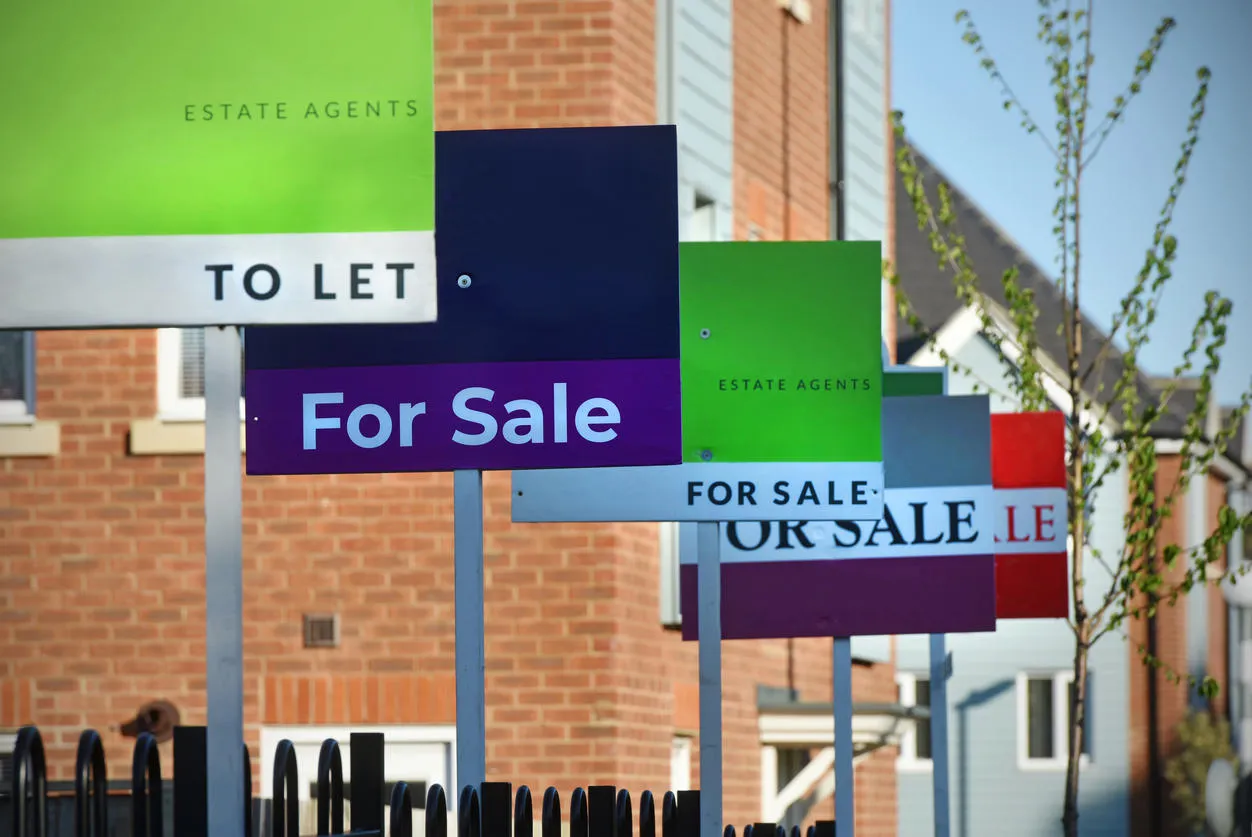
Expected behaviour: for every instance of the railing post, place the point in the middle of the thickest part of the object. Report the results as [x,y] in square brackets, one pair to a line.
[647,815]
[90,786]
[623,824]
[30,778]
[367,759]
[523,814]
[286,791]
[496,803]
[578,818]
[687,819]
[401,811]
[247,791]
[329,789]
[550,816]
[436,812]
[669,815]
[601,811]
[468,814]
[147,803]
[191,782]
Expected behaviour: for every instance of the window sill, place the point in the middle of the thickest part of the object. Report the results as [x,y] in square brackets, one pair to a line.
[30,438]
[1050,765]
[915,766]
[173,436]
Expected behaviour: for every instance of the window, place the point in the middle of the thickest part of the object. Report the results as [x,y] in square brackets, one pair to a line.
[680,764]
[914,690]
[791,763]
[17,375]
[1044,707]
[180,374]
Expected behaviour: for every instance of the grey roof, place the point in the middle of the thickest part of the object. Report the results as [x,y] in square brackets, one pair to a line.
[991,253]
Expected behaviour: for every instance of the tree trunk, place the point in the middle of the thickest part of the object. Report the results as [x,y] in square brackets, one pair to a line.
[1076,728]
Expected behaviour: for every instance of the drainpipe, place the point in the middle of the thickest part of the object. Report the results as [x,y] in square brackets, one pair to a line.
[1154,738]
[838,229]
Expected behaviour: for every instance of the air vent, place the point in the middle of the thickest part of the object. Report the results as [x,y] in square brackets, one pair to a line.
[321,630]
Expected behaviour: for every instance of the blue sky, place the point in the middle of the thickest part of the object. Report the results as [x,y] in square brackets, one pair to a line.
[953,112]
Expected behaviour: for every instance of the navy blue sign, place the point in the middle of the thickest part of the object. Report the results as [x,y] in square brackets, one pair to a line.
[569,237]
[556,343]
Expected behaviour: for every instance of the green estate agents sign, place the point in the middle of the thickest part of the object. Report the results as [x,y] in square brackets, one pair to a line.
[794,375]
[155,153]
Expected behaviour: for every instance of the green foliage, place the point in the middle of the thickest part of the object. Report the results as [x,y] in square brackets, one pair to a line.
[1113,412]
[1203,739]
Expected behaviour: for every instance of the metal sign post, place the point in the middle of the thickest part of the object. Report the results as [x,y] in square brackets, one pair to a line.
[223,577]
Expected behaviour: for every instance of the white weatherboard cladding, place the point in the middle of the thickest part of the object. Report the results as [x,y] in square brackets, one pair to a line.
[865,120]
[695,92]
[700,492]
[153,281]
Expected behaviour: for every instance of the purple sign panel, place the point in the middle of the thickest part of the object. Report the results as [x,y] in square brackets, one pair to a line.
[445,417]
[854,597]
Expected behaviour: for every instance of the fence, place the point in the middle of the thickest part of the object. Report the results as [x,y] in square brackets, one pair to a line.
[149,806]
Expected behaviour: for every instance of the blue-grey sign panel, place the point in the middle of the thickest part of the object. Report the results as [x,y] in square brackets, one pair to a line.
[936,440]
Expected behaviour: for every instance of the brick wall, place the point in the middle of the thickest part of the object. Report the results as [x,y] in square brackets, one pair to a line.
[101,552]
[1171,634]
[1218,625]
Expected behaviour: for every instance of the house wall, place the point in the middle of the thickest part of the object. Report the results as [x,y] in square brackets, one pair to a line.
[1192,642]
[101,549]
[1220,629]
[1149,800]
[993,792]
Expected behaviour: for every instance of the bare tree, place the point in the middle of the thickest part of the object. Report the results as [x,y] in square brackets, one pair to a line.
[1149,571]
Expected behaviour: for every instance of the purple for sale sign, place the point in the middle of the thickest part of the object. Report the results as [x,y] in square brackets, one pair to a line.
[557,341]
[444,417]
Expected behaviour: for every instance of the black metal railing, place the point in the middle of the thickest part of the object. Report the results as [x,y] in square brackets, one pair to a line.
[493,809]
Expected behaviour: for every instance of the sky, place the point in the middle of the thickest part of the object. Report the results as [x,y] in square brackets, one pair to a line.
[953,112]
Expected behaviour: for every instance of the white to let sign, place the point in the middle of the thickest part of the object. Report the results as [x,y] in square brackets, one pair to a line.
[698,491]
[209,280]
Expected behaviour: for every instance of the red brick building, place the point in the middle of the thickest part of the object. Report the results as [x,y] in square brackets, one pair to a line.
[101,495]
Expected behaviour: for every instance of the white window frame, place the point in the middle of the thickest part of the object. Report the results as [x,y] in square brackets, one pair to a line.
[1061,681]
[315,734]
[680,763]
[22,410]
[171,405]
[907,761]
[670,558]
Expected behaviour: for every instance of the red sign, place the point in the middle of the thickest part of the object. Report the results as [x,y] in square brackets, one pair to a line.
[1032,557]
